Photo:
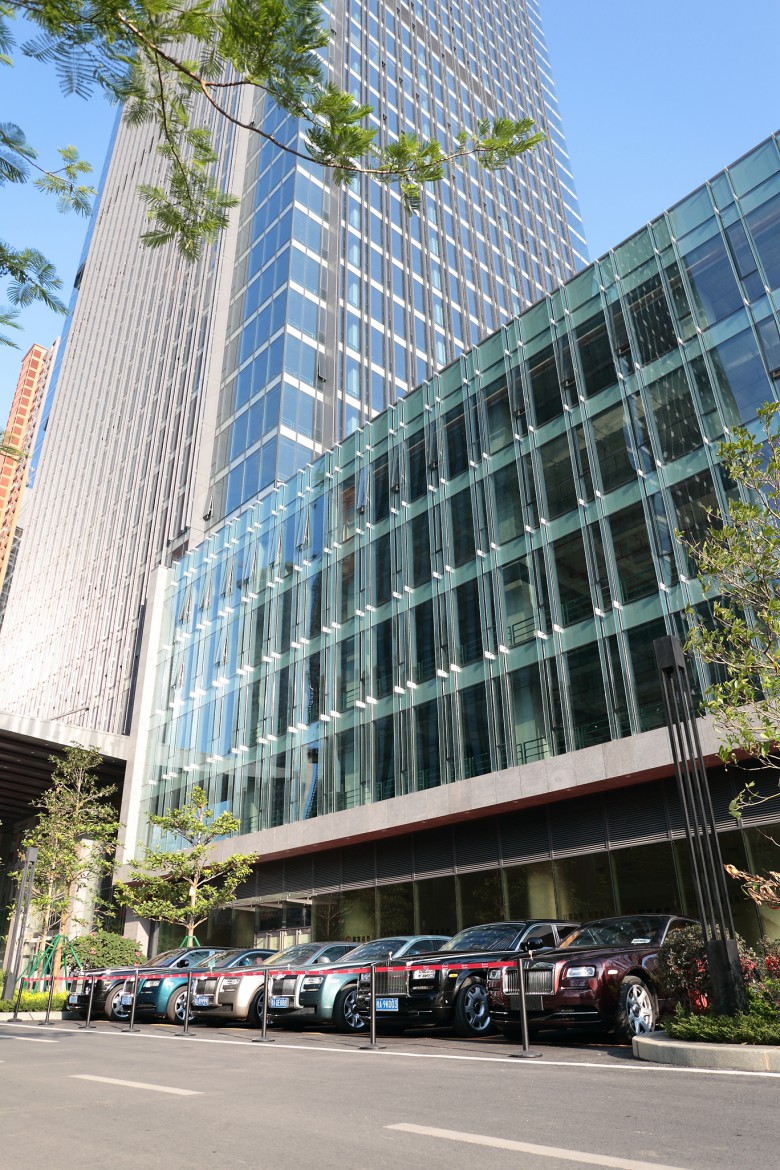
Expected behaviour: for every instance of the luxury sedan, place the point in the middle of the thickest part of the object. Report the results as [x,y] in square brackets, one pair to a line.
[165,995]
[238,995]
[450,986]
[603,975]
[325,996]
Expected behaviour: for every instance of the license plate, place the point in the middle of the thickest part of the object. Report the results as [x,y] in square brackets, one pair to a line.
[279,1001]
[387,1004]
[200,1001]
[73,998]
[126,1000]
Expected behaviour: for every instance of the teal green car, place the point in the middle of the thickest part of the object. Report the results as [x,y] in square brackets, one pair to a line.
[328,995]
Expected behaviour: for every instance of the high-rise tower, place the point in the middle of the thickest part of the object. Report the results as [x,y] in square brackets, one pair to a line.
[183,391]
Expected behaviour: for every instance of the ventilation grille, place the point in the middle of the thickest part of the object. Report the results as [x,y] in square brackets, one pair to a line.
[525,836]
[476,843]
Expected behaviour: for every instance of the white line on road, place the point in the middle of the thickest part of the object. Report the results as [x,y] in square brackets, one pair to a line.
[634,1066]
[137,1085]
[476,1139]
[29,1039]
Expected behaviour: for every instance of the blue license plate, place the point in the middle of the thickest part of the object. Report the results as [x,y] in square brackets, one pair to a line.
[387,1004]
[279,1001]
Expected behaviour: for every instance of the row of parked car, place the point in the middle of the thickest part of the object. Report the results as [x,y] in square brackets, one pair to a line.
[601,973]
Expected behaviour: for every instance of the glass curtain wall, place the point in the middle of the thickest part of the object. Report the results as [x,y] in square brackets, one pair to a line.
[474,579]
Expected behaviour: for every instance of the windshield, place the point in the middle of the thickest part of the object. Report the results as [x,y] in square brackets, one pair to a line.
[166,957]
[638,930]
[301,953]
[380,948]
[500,937]
[223,959]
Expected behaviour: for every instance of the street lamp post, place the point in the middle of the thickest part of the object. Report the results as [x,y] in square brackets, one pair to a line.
[709,880]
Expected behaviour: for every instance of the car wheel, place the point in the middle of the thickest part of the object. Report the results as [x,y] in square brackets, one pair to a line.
[472,1010]
[637,1010]
[345,1013]
[113,1008]
[174,1008]
[255,1015]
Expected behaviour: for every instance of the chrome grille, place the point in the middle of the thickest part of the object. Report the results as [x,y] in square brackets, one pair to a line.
[205,986]
[390,982]
[283,985]
[510,980]
[539,980]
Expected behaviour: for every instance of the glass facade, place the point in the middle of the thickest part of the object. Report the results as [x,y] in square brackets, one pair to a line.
[474,579]
[342,302]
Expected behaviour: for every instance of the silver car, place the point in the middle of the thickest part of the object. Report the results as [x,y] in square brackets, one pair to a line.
[329,996]
[238,995]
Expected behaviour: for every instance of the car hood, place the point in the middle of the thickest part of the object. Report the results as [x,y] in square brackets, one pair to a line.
[574,953]
[448,958]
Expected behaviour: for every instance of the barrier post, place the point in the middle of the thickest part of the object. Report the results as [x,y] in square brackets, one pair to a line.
[525,1053]
[88,1022]
[186,1029]
[132,1027]
[264,1038]
[372,1045]
[47,1023]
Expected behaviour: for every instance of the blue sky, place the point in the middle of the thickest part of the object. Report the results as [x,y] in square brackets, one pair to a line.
[655,97]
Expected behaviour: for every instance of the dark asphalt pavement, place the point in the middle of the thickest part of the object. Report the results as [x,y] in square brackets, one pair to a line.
[315,1099]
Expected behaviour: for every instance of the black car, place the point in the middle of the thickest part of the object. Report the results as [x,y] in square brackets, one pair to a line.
[450,986]
[110,984]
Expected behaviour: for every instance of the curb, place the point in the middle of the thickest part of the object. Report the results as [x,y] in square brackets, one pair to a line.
[696,1054]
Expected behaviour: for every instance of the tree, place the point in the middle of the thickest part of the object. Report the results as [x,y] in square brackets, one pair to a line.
[75,834]
[739,561]
[182,67]
[183,886]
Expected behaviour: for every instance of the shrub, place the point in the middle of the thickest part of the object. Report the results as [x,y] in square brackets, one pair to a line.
[760,1024]
[683,972]
[106,949]
[35,1001]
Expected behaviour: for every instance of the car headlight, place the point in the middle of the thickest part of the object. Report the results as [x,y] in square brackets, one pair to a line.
[313,981]
[424,973]
[229,984]
[150,983]
[364,977]
[580,972]
[494,975]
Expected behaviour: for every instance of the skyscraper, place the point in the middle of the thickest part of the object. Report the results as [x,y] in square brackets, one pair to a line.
[181,392]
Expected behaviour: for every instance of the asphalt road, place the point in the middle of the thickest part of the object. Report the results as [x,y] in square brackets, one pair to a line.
[112,1101]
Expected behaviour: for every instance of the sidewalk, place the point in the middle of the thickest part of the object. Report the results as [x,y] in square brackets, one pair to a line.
[25,1017]
[690,1054]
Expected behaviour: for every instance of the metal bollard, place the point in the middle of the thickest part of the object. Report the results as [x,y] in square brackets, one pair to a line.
[186,1029]
[47,1023]
[372,1045]
[88,1022]
[263,1038]
[132,1027]
[526,1053]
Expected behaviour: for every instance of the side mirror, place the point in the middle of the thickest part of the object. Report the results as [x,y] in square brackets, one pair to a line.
[536,944]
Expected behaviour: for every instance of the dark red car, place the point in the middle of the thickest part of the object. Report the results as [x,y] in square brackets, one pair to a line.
[602,975]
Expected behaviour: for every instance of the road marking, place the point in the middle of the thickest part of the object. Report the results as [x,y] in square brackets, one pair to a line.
[137,1085]
[29,1039]
[476,1139]
[345,1050]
